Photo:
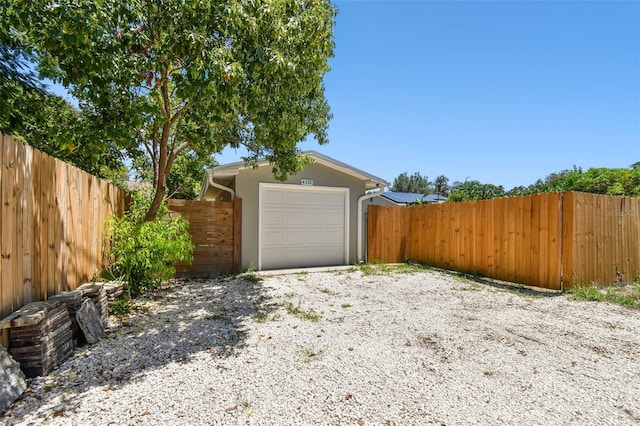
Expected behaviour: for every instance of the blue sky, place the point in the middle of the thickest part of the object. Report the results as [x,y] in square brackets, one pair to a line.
[503,92]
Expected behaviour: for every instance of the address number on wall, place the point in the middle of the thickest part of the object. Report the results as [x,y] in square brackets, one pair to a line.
[306,181]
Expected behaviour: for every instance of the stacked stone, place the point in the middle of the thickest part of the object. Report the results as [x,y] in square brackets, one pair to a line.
[97,294]
[114,290]
[73,300]
[40,336]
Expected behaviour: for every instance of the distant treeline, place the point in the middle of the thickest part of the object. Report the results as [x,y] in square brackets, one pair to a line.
[623,182]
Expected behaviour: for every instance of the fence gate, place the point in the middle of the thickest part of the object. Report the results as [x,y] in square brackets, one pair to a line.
[215,228]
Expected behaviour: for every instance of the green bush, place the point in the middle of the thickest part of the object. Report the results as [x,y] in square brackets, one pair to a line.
[121,307]
[144,253]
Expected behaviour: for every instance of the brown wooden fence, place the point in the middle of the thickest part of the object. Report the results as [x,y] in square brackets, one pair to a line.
[544,240]
[601,241]
[52,231]
[215,229]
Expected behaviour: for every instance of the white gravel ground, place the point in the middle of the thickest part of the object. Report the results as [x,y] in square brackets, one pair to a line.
[347,348]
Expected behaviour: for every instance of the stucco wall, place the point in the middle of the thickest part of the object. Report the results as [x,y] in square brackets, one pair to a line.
[246,186]
[380,201]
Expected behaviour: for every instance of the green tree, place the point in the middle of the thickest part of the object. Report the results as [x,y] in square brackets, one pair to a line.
[598,180]
[441,185]
[472,190]
[173,75]
[47,121]
[185,180]
[31,114]
[416,183]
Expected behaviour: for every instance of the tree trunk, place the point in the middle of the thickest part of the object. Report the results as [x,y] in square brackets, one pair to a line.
[162,158]
[155,204]
[160,185]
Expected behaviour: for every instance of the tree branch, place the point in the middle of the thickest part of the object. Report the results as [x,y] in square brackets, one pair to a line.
[174,154]
[164,89]
[178,113]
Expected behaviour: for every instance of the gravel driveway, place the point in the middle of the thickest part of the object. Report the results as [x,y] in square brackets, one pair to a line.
[349,348]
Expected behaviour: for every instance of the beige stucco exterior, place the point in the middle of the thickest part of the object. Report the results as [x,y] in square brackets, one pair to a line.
[245,184]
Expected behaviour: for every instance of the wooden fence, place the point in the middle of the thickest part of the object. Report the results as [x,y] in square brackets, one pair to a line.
[215,229]
[601,241]
[52,231]
[544,240]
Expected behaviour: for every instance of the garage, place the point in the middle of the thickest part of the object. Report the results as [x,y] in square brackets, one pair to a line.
[314,217]
[302,225]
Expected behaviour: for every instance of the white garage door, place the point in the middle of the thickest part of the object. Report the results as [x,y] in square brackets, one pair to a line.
[303,226]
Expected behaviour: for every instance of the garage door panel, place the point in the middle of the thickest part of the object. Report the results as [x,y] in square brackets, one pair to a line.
[325,218]
[302,257]
[302,227]
[273,217]
[274,238]
[273,197]
[329,238]
[294,217]
[328,200]
[299,238]
[296,198]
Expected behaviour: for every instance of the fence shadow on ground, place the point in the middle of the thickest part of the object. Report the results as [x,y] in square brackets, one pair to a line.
[188,320]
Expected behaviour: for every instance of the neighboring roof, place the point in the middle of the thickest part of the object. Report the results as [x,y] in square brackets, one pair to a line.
[232,169]
[137,186]
[409,197]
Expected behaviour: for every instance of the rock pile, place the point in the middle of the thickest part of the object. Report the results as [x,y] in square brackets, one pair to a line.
[40,336]
[43,334]
[114,290]
[73,300]
[97,294]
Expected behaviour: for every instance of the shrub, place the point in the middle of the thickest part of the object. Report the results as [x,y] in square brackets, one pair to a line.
[144,253]
[121,307]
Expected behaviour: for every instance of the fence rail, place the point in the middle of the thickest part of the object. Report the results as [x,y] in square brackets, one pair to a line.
[52,230]
[545,240]
[215,232]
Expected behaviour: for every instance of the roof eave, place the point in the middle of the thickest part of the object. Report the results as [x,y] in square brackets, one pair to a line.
[371,181]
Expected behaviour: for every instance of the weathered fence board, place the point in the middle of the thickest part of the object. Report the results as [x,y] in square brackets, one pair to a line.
[545,240]
[215,232]
[52,230]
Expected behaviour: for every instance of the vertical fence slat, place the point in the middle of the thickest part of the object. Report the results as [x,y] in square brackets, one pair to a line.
[543,230]
[555,237]
[535,241]
[44,189]
[568,241]
[28,226]
[4,308]
[525,248]
[510,237]
[2,230]
[18,247]
[8,226]
[485,252]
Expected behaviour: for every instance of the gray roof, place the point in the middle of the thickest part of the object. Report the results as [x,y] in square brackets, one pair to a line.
[409,197]
[372,181]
